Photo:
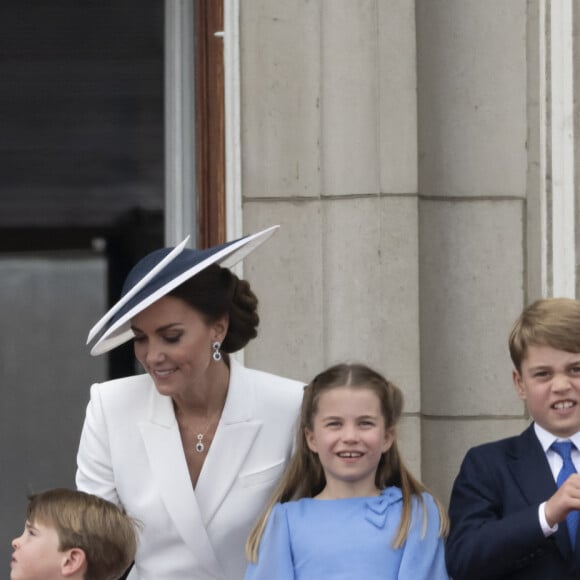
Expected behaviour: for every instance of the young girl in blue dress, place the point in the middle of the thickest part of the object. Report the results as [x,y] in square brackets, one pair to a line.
[347,507]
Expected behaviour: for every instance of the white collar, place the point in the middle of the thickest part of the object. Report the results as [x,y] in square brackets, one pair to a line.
[546,438]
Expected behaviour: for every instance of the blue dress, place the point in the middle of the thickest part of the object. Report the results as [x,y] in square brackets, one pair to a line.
[349,539]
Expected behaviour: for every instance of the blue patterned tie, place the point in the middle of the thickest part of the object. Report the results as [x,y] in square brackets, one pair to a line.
[564,450]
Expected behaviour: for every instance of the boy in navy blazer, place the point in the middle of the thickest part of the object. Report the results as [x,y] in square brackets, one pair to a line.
[509,518]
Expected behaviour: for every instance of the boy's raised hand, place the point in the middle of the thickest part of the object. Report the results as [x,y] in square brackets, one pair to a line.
[566,499]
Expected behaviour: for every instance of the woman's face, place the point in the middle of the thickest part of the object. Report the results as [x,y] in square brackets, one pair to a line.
[173,342]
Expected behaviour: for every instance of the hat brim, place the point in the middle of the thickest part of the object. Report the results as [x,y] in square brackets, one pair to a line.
[119,331]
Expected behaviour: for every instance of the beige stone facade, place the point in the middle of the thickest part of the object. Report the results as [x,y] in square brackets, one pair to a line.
[402,147]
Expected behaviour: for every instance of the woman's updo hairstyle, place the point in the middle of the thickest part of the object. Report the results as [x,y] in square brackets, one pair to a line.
[217,291]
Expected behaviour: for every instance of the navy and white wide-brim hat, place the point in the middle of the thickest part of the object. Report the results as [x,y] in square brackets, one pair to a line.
[156,275]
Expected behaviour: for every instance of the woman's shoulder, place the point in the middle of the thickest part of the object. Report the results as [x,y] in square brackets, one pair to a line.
[124,389]
[142,381]
[121,401]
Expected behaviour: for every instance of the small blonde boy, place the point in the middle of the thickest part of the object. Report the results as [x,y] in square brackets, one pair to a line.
[73,535]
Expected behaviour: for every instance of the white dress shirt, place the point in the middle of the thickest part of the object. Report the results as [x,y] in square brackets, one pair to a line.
[555,462]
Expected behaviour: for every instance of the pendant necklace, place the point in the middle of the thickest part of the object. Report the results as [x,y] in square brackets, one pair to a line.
[200,446]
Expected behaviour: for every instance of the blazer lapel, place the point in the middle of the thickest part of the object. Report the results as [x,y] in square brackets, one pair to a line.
[234,437]
[164,449]
[532,474]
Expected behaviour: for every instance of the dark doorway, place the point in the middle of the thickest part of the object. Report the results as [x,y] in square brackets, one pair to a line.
[81,199]
[82,180]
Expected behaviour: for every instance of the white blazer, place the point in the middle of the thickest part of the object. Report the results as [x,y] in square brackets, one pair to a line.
[131,453]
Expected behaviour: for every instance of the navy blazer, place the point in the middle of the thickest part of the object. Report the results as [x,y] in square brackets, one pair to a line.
[495,529]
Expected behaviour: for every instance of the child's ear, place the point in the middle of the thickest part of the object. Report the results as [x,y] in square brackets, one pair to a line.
[389,439]
[310,440]
[519,384]
[73,562]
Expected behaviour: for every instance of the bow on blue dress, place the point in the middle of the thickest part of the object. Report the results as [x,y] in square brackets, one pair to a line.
[376,507]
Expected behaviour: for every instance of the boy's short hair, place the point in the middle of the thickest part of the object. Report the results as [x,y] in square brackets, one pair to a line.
[82,520]
[553,322]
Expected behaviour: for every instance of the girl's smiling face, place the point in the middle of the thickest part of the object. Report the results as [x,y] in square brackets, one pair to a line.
[349,435]
[173,342]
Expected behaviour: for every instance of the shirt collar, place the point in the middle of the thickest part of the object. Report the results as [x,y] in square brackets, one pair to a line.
[546,438]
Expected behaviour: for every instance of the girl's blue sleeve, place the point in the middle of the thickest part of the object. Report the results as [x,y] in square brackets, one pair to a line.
[275,552]
[424,554]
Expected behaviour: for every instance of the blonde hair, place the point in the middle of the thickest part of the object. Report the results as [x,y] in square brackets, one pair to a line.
[304,476]
[98,527]
[553,322]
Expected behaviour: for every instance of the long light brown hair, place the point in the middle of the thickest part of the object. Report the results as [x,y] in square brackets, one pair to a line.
[304,476]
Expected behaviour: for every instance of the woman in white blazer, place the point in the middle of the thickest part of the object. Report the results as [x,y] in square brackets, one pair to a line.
[193,448]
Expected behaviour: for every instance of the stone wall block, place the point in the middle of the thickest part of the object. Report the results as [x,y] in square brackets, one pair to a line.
[397,70]
[472,97]
[370,294]
[350,116]
[444,444]
[286,275]
[471,273]
[409,443]
[280,85]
